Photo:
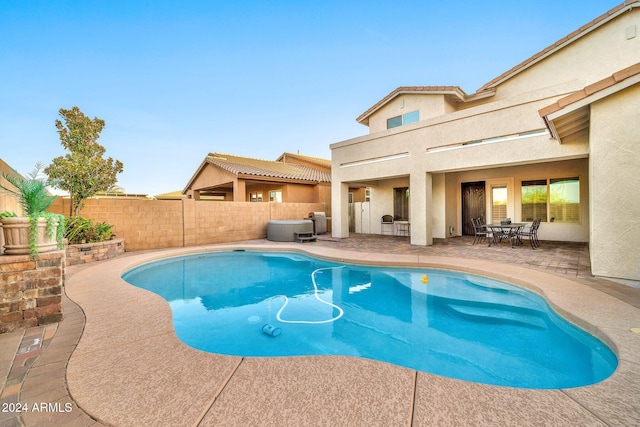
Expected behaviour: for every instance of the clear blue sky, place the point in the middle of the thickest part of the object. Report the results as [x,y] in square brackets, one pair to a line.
[174,80]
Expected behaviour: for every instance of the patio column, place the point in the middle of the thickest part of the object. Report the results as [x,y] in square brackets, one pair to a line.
[239,191]
[421,194]
[340,210]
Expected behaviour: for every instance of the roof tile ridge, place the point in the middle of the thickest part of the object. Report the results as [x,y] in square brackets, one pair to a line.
[592,88]
[558,43]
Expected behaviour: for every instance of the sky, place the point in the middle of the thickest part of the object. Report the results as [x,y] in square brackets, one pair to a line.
[175,80]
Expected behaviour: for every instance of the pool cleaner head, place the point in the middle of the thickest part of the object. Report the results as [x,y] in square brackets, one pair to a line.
[272,331]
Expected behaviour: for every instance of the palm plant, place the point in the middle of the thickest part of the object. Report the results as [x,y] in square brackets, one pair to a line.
[34,198]
[31,192]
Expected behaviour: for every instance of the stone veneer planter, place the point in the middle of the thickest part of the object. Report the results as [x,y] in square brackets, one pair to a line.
[91,252]
[31,290]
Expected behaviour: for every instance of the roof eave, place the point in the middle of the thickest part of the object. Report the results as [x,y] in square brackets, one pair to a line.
[454,92]
[561,44]
[195,175]
[584,98]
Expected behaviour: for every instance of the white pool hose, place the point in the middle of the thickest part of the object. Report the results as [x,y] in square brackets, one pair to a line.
[315,288]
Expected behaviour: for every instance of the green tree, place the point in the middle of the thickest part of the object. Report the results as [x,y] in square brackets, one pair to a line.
[83,171]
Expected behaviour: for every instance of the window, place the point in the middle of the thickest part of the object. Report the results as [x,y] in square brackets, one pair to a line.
[564,200]
[401,204]
[275,196]
[404,119]
[534,200]
[256,197]
[499,196]
[411,117]
[394,122]
[555,200]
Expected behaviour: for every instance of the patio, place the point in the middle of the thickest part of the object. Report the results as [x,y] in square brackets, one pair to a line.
[142,373]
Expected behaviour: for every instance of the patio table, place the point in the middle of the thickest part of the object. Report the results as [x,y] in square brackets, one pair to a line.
[505,231]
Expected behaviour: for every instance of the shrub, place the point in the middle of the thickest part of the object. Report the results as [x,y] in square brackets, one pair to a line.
[83,230]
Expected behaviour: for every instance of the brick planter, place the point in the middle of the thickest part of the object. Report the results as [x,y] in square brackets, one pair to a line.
[91,252]
[31,291]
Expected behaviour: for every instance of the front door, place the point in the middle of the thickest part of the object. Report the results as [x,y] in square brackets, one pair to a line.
[473,205]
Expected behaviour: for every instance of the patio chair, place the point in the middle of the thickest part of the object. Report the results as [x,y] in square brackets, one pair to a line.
[480,229]
[531,234]
[384,221]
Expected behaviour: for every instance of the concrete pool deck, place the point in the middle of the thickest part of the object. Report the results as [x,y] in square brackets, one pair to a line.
[129,368]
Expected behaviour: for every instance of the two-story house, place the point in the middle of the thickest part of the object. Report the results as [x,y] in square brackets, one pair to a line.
[556,137]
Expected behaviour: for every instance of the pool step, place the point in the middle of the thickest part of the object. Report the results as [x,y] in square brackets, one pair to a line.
[305,236]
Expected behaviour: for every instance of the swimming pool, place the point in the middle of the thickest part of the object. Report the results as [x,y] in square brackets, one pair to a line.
[451,324]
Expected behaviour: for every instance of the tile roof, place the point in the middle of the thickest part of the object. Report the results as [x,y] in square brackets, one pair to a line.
[605,83]
[316,160]
[266,168]
[628,4]
[574,116]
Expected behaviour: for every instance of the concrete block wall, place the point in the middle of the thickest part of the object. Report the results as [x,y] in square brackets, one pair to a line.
[295,210]
[31,291]
[144,224]
[157,224]
[230,221]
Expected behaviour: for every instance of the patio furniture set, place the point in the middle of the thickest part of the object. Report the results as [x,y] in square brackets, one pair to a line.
[506,230]
[397,227]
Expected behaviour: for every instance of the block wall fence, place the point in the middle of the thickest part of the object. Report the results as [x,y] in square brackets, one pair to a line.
[158,224]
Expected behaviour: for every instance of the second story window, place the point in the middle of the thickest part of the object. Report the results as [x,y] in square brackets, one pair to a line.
[404,119]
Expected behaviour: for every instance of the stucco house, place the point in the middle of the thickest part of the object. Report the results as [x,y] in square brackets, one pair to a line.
[556,137]
[291,178]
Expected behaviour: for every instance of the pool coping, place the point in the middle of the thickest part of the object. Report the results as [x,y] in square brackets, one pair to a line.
[129,348]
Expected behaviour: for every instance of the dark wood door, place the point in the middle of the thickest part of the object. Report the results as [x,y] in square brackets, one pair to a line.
[473,205]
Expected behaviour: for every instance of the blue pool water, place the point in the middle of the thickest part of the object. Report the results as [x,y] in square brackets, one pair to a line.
[451,324]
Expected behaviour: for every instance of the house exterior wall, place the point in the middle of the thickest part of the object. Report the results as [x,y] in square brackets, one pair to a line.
[7,201]
[293,193]
[392,153]
[210,176]
[615,203]
[597,54]
[381,199]
[299,193]
[513,176]
[427,105]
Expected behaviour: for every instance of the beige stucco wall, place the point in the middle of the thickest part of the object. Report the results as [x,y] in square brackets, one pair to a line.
[589,59]
[8,202]
[381,198]
[392,153]
[615,201]
[211,176]
[513,177]
[427,105]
